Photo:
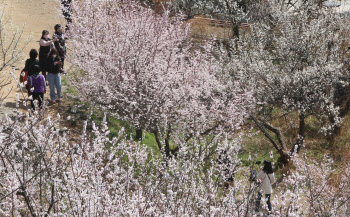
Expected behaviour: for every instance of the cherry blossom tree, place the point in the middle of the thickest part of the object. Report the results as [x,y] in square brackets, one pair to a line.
[143,68]
[295,62]
[46,173]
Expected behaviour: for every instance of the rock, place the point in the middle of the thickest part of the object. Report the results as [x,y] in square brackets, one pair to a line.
[73,109]
[64,130]
[83,107]
[83,117]
[73,121]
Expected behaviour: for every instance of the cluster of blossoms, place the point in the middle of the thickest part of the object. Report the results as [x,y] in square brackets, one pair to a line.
[151,75]
[143,68]
[45,172]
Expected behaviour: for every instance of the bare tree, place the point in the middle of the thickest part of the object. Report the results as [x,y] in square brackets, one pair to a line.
[11,50]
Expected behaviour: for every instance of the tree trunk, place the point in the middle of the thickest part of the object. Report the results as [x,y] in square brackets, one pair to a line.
[138,134]
[167,145]
[283,159]
[341,99]
[279,145]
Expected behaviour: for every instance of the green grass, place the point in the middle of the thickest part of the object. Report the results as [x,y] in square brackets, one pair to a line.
[257,145]
[70,89]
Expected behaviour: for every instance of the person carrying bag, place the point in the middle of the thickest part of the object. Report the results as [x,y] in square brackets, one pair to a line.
[266,179]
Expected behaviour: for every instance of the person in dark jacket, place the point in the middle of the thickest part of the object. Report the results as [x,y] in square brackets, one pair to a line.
[60,43]
[46,44]
[53,75]
[37,86]
[31,62]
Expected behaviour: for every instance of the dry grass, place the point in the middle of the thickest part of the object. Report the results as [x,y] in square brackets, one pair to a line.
[340,150]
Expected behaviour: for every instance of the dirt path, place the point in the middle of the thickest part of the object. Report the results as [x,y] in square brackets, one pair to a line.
[36,15]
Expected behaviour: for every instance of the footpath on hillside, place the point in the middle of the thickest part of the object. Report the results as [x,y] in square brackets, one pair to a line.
[34,16]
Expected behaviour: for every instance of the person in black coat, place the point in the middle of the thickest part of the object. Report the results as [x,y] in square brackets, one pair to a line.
[46,44]
[54,62]
[31,62]
[60,43]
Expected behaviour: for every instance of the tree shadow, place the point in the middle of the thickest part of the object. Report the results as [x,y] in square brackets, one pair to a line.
[10,104]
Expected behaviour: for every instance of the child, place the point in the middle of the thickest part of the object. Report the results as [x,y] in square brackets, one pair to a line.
[37,86]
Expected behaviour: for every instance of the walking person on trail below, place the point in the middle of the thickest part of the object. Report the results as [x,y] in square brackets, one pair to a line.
[60,44]
[54,76]
[266,178]
[46,45]
[37,86]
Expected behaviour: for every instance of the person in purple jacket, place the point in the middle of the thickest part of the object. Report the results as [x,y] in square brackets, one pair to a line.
[37,86]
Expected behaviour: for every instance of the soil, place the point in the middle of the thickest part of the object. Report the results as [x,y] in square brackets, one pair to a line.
[36,16]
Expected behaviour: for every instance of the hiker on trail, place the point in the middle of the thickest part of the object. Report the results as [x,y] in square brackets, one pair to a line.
[67,12]
[37,86]
[31,62]
[28,68]
[54,76]
[60,44]
[46,45]
[265,178]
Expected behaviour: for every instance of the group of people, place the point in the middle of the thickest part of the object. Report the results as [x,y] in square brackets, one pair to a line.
[51,54]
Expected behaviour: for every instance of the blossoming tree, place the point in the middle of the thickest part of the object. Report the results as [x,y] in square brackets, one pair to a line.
[11,51]
[44,172]
[143,68]
[295,63]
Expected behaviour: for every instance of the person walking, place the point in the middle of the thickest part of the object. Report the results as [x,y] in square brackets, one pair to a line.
[28,67]
[266,179]
[31,62]
[60,44]
[46,44]
[37,87]
[53,75]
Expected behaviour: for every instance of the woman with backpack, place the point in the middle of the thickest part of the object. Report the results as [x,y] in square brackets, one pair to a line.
[28,67]
[54,77]
[266,179]
[36,86]
[45,47]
